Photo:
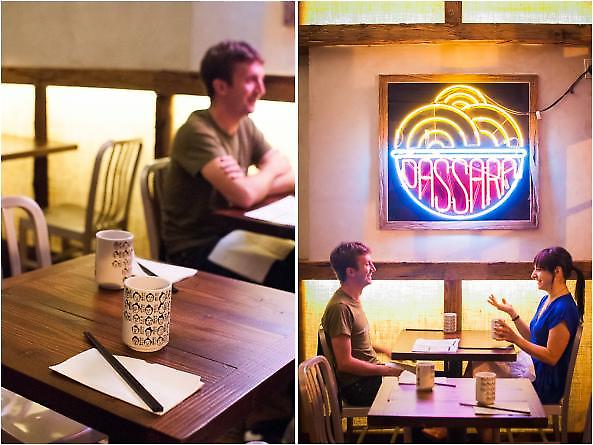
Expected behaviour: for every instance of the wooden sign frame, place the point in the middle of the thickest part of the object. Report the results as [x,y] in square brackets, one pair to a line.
[529,206]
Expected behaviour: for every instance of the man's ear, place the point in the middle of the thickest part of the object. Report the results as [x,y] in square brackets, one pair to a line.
[220,87]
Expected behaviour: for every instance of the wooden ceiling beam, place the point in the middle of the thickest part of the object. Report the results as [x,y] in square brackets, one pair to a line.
[369,35]
[278,88]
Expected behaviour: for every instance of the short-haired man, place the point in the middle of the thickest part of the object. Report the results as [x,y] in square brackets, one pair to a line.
[359,371]
[210,156]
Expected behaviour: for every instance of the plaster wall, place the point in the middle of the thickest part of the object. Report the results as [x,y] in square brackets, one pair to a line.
[140,35]
[342,149]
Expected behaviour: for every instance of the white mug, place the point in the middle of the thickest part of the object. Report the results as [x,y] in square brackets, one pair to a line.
[449,322]
[493,326]
[424,375]
[146,313]
[113,258]
[485,388]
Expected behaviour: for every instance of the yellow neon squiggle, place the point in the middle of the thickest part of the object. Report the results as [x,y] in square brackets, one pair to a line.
[491,135]
[459,96]
[477,94]
[495,124]
[434,132]
[507,116]
[436,119]
[434,108]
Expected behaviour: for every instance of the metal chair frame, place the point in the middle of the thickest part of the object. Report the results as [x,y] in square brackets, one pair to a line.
[108,203]
[319,401]
[9,204]
[152,180]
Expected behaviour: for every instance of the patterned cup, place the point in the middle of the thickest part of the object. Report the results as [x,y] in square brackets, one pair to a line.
[424,375]
[485,388]
[113,258]
[449,322]
[146,313]
[493,326]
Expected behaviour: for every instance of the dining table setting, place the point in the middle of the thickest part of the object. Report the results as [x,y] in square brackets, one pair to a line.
[136,360]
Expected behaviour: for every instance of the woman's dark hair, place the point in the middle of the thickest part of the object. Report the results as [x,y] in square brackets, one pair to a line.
[219,62]
[551,258]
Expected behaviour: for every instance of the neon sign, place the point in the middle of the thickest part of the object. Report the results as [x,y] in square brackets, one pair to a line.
[461,156]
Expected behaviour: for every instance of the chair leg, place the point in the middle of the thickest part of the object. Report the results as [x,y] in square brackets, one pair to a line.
[510,436]
[407,435]
[556,426]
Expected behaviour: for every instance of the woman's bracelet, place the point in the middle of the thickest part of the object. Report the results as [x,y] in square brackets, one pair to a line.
[515,318]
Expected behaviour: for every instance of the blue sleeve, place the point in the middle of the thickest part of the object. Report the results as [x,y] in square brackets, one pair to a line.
[567,312]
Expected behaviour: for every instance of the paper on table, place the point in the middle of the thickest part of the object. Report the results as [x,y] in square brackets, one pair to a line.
[168,271]
[169,386]
[521,406]
[250,254]
[282,212]
[426,345]
[407,377]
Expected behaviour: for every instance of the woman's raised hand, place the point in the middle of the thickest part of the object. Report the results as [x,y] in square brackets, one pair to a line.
[504,306]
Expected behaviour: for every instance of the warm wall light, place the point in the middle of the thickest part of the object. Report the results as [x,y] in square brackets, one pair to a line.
[460,157]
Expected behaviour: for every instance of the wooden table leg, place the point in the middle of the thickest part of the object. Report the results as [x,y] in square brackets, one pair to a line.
[40,181]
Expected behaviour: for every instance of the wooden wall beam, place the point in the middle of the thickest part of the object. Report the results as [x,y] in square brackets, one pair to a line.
[163,126]
[437,271]
[453,13]
[279,88]
[331,35]
[40,175]
[452,301]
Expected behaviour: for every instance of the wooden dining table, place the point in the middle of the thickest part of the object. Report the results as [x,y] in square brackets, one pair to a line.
[403,405]
[475,346]
[239,337]
[235,218]
[19,147]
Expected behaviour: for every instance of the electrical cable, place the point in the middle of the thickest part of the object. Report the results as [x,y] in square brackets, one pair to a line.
[526,113]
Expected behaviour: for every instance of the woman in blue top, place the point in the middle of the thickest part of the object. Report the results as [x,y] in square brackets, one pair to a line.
[548,338]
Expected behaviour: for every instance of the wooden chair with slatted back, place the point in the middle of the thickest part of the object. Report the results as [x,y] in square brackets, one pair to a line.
[152,179]
[108,203]
[37,221]
[319,401]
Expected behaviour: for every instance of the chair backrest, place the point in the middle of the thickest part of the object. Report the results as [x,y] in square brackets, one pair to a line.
[9,203]
[571,365]
[587,428]
[326,347]
[112,180]
[319,401]
[152,180]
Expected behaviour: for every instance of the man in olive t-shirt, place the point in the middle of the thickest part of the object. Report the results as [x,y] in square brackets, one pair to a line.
[210,156]
[359,371]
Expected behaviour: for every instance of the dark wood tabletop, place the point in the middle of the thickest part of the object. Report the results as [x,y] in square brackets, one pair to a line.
[239,337]
[18,147]
[402,405]
[234,218]
[473,346]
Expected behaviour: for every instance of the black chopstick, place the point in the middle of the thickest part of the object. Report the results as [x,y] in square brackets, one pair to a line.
[436,383]
[154,405]
[496,407]
[420,330]
[147,271]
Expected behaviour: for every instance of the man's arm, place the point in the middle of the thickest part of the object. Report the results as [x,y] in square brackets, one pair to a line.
[244,191]
[346,363]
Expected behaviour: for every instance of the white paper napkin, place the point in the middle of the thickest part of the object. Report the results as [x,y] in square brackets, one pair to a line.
[250,254]
[169,386]
[168,271]
[282,212]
